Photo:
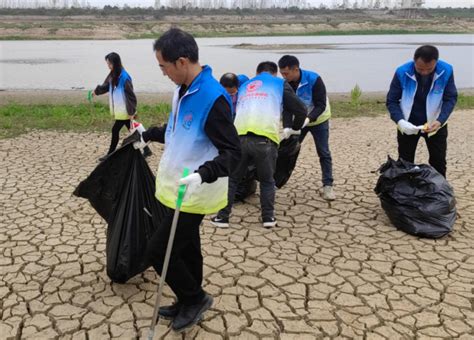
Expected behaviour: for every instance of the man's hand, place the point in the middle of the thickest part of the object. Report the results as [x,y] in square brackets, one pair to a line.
[306,122]
[407,128]
[192,182]
[433,127]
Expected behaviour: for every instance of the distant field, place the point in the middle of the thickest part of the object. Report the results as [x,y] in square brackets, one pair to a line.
[114,23]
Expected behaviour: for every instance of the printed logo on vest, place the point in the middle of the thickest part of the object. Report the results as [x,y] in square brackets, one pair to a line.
[438,88]
[254,85]
[188,120]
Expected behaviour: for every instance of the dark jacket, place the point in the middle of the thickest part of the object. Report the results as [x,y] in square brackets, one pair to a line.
[130,97]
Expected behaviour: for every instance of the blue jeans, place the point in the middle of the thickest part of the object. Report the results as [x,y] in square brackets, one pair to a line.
[321,140]
[263,153]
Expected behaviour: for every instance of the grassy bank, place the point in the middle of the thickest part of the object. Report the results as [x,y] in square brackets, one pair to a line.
[19,118]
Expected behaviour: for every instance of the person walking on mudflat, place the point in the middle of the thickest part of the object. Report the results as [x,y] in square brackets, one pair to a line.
[421,98]
[122,99]
[201,137]
[310,88]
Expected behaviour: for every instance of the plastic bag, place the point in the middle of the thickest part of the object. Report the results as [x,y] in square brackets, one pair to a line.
[122,190]
[416,198]
[287,156]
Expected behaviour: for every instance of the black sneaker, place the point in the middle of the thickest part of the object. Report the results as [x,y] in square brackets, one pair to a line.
[169,312]
[188,316]
[269,222]
[103,158]
[220,222]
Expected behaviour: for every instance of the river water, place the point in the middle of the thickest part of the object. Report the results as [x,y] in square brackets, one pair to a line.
[342,61]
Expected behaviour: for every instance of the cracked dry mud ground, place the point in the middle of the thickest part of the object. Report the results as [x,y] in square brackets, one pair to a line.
[329,270]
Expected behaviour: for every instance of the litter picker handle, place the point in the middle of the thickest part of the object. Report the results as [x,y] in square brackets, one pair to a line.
[182,190]
[174,224]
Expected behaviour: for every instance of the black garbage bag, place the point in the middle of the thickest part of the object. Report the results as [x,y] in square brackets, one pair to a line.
[248,185]
[122,190]
[287,156]
[416,198]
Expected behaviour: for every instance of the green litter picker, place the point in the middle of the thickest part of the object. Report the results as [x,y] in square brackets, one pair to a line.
[179,202]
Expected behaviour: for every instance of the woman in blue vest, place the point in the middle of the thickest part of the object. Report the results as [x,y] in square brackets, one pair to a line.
[421,98]
[122,99]
[199,136]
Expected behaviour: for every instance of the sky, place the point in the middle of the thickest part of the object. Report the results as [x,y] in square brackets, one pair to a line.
[428,3]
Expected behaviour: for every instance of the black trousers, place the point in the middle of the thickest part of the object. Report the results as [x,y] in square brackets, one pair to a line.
[437,146]
[118,125]
[185,269]
[263,153]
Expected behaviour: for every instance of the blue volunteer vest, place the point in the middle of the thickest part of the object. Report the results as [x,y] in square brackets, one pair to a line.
[305,93]
[409,84]
[259,107]
[188,146]
[117,105]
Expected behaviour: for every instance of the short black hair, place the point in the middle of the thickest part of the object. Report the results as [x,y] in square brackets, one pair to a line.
[229,80]
[267,66]
[176,43]
[427,53]
[288,61]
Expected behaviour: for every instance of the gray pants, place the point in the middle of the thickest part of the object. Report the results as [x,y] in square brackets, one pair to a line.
[262,152]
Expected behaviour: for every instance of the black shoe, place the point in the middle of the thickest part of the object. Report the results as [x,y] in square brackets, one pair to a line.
[188,316]
[269,222]
[169,312]
[147,152]
[220,222]
[103,158]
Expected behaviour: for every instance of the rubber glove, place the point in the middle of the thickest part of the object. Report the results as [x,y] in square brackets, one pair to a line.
[407,128]
[306,122]
[192,182]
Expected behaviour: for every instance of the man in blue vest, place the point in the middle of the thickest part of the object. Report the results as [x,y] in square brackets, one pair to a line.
[199,136]
[422,95]
[263,100]
[311,90]
[231,82]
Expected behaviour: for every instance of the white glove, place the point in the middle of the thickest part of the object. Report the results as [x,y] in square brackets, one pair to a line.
[140,145]
[192,182]
[407,128]
[306,122]
[287,132]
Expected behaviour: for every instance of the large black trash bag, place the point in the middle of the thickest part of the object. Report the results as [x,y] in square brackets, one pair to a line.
[287,156]
[416,198]
[122,190]
[247,186]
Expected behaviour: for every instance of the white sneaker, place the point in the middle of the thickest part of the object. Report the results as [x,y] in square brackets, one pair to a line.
[269,222]
[328,193]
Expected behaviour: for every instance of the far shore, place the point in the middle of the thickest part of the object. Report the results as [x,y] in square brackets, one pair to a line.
[38,97]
